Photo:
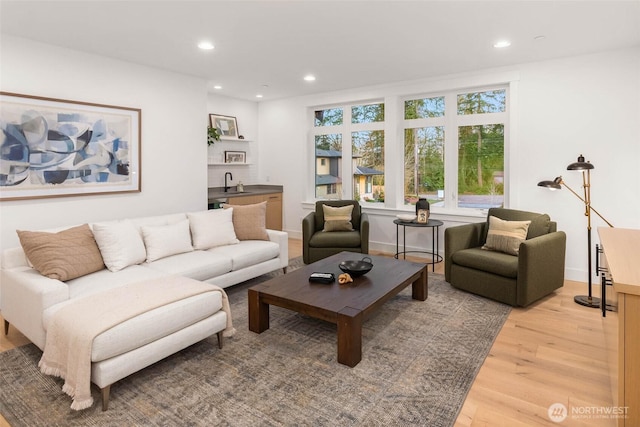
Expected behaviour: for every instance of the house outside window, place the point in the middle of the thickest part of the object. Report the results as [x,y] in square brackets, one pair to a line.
[363,159]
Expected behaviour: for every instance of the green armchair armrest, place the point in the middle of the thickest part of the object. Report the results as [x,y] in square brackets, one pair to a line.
[461,237]
[540,266]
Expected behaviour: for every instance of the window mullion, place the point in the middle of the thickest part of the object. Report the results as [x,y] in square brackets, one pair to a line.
[451,152]
[347,154]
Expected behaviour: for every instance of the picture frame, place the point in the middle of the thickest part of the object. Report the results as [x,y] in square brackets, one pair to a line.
[227,125]
[56,147]
[235,156]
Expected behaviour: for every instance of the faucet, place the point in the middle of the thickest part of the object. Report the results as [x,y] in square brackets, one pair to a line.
[226,187]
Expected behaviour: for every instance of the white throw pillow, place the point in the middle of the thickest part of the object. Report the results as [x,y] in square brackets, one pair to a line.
[166,240]
[212,228]
[120,244]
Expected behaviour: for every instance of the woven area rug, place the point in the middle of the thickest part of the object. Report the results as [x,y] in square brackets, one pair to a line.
[419,361]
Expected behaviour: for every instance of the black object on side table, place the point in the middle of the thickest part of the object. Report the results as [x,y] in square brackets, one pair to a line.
[434,224]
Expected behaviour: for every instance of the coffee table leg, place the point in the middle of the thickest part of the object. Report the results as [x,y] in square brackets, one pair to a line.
[349,336]
[258,312]
[419,289]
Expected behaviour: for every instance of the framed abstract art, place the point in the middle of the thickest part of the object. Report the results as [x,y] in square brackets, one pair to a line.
[54,147]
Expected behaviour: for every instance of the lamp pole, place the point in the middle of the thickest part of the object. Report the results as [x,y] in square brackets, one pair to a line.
[589,301]
[585,167]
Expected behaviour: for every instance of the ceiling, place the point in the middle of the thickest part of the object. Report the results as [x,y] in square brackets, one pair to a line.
[268,46]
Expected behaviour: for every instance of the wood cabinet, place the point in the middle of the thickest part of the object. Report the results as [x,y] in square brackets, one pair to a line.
[622,328]
[274,206]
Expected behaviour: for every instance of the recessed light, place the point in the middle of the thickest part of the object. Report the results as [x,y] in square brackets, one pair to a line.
[217,87]
[258,96]
[205,45]
[309,78]
[502,43]
[540,37]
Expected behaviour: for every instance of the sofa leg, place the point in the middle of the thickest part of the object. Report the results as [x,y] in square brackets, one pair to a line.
[220,339]
[105,397]
[284,270]
[6,327]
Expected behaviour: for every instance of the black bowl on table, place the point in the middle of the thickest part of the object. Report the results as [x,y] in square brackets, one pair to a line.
[356,268]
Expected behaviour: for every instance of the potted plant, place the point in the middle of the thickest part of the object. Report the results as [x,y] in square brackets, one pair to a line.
[213,135]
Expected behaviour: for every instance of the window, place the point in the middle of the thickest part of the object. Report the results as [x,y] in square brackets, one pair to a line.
[328,165]
[424,150]
[471,128]
[451,145]
[363,161]
[424,164]
[481,149]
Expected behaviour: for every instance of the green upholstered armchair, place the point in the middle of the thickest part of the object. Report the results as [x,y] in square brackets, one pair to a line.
[535,272]
[318,244]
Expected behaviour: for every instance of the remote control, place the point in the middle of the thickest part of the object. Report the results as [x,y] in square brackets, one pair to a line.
[322,277]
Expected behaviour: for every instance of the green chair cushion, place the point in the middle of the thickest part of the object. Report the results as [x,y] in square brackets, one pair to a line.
[335,239]
[490,261]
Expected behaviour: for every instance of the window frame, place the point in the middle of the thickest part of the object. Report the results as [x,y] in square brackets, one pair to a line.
[394,125]
[347,128]
[452,121]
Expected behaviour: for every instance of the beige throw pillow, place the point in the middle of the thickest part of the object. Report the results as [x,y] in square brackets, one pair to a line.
[250,221]
[64,255]
[337,218]
[506,236]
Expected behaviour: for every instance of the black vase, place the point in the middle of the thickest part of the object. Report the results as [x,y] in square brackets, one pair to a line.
[422,211]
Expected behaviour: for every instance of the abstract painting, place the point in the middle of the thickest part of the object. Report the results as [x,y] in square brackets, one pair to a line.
[54,147]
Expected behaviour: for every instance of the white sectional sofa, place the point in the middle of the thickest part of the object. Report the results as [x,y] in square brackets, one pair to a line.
[221,247]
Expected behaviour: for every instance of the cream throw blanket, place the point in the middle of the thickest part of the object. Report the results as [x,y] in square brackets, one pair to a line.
[72,329]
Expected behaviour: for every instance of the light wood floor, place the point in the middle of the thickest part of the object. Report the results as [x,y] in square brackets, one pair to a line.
[550,352]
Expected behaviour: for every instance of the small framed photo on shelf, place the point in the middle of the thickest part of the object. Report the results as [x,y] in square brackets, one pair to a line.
[227,125]
[235,156]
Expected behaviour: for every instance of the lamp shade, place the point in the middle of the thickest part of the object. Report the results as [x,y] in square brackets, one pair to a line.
[554,185]
[580,165]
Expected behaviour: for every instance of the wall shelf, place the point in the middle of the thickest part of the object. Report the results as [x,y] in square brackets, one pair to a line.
[233,140]
[228,164]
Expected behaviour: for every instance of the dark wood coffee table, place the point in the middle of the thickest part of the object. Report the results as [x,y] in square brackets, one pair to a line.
[348,306]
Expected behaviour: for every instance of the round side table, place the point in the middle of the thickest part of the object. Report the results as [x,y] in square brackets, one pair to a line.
[434,224]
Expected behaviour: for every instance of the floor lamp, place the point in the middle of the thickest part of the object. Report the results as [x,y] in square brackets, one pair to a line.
[556,184]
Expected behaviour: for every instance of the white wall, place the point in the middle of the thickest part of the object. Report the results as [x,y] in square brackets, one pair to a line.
[174,119]
[584,105]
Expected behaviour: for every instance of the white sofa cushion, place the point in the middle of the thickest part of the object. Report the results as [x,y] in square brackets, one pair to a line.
[248,252]
[154,324]
[105,279]
[149,326]
[165,240]
[212,228]
[120,243]
[198,265]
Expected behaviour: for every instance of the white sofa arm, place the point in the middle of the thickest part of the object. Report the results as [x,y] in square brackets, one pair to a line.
[25,296]
[282,239]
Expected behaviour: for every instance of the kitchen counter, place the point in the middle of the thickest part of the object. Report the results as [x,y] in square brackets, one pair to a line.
[217,194]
